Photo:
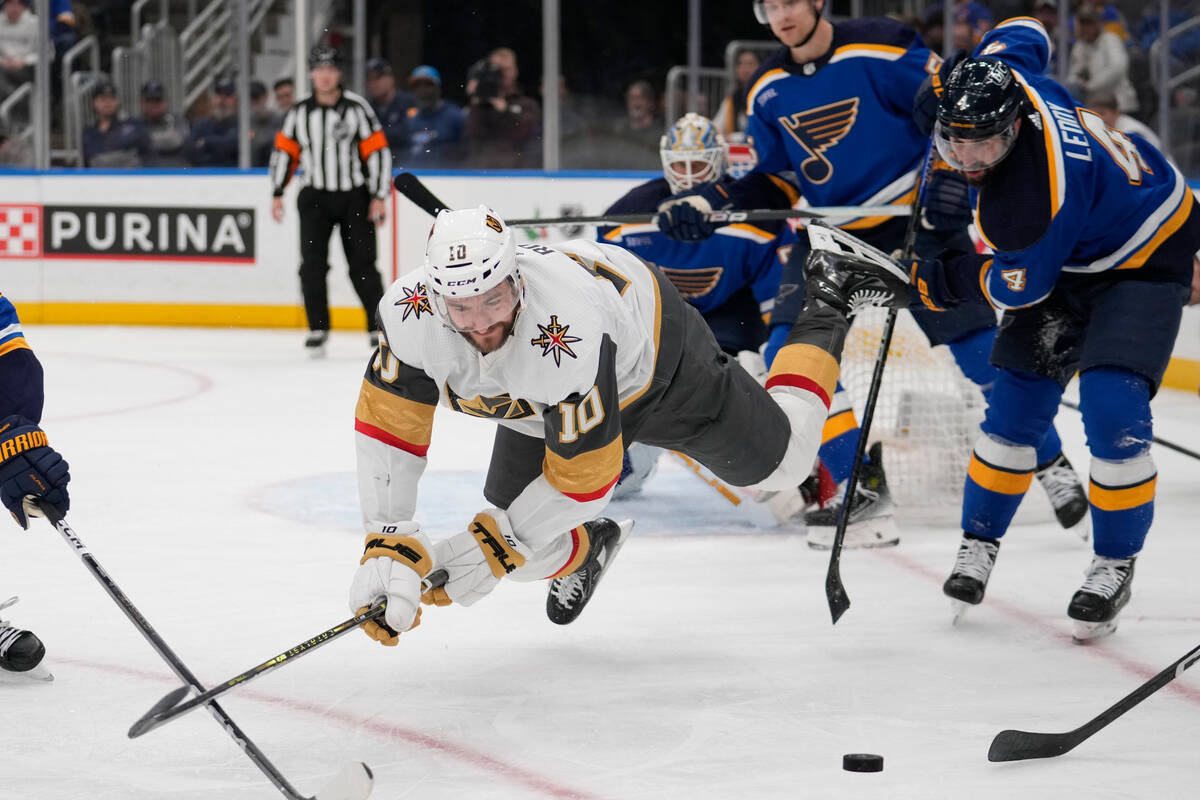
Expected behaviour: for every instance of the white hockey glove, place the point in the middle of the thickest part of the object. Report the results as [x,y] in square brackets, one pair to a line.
[476,559]
[393,564]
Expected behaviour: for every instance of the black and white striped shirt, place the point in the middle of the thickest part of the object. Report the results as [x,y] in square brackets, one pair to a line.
[338,148]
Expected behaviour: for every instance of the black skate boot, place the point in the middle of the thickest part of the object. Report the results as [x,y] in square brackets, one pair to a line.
[850,281]
[871,522]
[20,651]
[1066,493]
[314,345]
[1105,591]
[569,594]
[972,568]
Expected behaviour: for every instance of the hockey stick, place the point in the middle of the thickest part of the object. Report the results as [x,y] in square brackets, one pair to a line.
[1021,745]
[353,781]
[835,590]
[170,707]
[1157,439]
[415,190]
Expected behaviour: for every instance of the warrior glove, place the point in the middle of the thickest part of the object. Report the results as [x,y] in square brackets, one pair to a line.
[30,468]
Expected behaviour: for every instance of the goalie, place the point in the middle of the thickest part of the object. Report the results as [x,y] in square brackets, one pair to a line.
[576,351]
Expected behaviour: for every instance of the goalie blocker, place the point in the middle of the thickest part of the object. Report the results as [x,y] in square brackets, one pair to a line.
[576,350]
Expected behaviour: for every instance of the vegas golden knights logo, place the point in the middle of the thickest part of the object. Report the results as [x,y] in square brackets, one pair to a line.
[499,407]
[819,129]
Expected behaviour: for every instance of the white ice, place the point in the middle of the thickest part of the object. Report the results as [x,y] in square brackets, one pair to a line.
[213,479]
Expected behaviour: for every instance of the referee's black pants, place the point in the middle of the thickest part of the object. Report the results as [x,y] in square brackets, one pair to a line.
[320,211]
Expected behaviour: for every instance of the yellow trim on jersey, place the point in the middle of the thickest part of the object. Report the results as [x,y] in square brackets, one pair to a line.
[585,473]
[884,51]
[657,338]
[905,199]
[1124,498]
[1174,223]
[983,276]
[1028,22]
[837,424]
[770,76]
[14,344]
[399,416]
[746,230]
[998,480]
[793,194]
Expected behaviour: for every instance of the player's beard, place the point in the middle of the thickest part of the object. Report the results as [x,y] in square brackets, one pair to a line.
[497,335]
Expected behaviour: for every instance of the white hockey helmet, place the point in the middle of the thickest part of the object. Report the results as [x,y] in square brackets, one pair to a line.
[693,152]
[469,252]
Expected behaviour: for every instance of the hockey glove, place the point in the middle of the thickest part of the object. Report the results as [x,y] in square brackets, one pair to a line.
[685,218]
[476,559]
[392,566]
[947,201]
[925,102]
[30,468]
[930,289]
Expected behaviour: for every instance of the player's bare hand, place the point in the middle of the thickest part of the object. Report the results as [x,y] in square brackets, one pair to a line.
[277,208]
[377,211]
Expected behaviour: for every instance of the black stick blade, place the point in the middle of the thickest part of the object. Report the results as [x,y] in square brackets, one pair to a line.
[147,721]
[1023,745]
[411,187]
[835,592]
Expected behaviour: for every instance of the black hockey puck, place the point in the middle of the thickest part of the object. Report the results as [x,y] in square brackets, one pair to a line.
[862,762]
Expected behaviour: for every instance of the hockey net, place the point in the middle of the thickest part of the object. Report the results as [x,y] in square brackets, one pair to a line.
[927,414]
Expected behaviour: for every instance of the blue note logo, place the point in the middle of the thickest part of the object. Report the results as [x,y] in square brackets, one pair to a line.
[817,130]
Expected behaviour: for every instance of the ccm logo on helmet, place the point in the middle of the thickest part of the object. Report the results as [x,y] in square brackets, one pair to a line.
[467,282]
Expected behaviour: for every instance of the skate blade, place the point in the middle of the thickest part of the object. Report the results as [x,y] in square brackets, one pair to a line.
[866,534]
[1082,529]
[1085,632]
[958,610]
[38,674]
[316,353]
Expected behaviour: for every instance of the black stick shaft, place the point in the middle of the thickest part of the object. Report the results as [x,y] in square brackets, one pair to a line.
[164,651]
[835,590]
[1021,745]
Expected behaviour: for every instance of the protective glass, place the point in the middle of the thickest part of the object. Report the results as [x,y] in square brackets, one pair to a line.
[765,9]
[973,155]
[479,312]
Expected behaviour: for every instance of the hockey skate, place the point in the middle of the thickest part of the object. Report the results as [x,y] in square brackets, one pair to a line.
[1105,591]
[21,652]
[314,345]
[972,568]
[790,506]
[570,594]
[848,274]
[871,522]
[1066,494]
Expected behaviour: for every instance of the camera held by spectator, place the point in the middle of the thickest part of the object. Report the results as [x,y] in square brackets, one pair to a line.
[485,80]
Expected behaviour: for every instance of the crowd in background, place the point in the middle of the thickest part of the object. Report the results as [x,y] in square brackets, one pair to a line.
[494,121]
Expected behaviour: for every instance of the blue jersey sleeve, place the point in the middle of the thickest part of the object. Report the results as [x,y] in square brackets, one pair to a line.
[20,371]
[1020,42]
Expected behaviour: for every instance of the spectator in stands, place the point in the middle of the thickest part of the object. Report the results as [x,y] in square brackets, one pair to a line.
[263,125]
[214,138]
[642,125]
[504,125]
[1099,61]
[168,133]
[13,150]
[285,95]
[434,128]
[731,116]
[390,104]
[113,140]
[18,46]
[974,18]
[62,26]
[1104,103]
[1046,12]
[1110,17]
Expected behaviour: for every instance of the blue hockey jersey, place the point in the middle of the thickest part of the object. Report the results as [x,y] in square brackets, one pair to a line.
[843,123]
[20,371]
[1073,195]
[709,272]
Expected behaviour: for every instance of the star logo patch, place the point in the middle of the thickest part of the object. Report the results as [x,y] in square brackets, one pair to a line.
[555,341]
[415,302]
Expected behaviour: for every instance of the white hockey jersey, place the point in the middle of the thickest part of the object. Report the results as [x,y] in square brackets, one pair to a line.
[583,346]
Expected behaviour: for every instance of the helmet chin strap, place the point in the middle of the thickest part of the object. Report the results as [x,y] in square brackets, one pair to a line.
[813,29]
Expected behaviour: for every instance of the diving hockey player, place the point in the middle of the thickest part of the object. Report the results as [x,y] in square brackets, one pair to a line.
[1093,233]
[30,469]
[575,350]
[834,107]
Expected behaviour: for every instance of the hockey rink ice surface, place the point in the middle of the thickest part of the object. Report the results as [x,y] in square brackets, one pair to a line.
[213,480]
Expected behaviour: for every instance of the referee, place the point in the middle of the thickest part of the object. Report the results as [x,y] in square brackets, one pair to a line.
[336,140]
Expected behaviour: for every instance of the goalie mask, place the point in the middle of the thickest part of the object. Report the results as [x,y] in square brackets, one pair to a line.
[977,115]
[693,153]
[471,270]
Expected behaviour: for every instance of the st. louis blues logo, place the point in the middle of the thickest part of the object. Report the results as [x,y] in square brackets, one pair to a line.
[415,302]
[555,341]
[819,129]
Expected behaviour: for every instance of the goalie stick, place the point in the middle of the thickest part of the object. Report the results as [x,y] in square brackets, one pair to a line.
[170,707]
[352,782]
[835,590]
[1021,745]
[415,190]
